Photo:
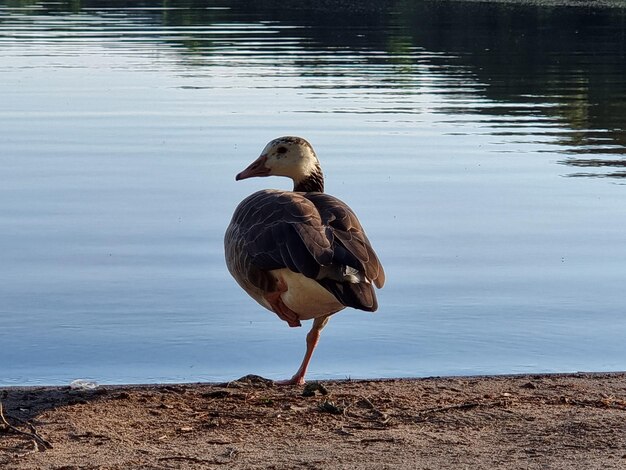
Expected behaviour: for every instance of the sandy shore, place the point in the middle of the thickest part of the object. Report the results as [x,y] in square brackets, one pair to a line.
[532,421]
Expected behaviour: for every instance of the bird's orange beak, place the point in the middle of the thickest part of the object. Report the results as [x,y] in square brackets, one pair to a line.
[256,168]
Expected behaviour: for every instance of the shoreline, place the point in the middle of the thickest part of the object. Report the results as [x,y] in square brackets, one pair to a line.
[153,385]
[556,420]
[617,4]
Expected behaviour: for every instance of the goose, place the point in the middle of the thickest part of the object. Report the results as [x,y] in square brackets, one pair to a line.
[301,254]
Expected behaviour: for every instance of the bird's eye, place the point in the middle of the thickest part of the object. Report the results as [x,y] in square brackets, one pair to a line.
[281,149]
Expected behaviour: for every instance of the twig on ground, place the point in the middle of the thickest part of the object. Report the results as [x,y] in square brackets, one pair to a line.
[461,406]
[185,457]
[33,434]
[378,439]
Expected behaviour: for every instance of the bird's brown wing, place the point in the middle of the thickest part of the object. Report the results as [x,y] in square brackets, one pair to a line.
[276,229]
[349,234]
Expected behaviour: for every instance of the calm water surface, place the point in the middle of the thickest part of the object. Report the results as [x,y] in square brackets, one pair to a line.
[483,147]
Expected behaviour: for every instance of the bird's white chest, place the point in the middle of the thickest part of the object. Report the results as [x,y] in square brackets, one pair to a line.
[305,296]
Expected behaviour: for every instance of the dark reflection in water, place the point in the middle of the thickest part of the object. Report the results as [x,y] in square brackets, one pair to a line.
[557,65]
[597,163]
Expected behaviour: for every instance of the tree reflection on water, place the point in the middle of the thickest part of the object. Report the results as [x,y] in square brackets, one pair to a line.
[566,64]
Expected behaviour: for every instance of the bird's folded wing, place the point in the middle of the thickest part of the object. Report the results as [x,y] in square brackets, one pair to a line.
[282,229]
[349,234]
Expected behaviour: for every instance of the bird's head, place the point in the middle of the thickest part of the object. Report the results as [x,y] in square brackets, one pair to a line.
[289,156]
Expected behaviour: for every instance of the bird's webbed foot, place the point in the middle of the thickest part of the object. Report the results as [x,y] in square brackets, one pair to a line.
[295,380]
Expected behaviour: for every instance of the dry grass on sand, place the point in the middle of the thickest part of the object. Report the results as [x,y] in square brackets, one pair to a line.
[534,421]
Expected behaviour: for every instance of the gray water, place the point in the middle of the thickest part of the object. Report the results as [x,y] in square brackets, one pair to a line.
[483,148]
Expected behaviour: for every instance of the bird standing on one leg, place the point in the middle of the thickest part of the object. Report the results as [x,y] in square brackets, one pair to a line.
[301,254]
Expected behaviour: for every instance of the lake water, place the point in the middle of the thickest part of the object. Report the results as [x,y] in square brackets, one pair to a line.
[483,147]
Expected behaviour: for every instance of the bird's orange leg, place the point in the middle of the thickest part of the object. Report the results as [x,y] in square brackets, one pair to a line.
[279,307]
[312,338]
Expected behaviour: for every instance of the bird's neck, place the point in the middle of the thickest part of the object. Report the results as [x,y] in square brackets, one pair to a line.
[313,182]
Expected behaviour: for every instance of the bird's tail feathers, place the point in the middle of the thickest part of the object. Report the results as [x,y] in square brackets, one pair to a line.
[359,295]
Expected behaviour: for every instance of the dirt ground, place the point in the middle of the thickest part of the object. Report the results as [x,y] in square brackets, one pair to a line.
[533,421]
